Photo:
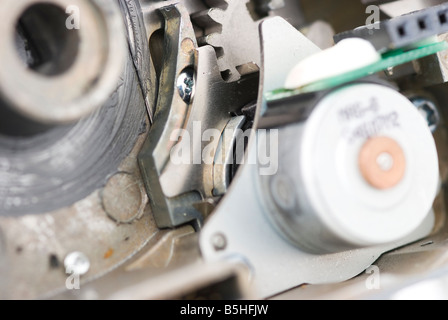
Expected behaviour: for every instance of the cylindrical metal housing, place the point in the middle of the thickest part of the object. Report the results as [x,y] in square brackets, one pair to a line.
[361,171]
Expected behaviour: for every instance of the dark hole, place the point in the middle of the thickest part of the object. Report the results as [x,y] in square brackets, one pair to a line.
[442,18]
[226,75]
[156,47]
[219,52]
[422,24]
[13,124]
[19,250]
[43,41]
[54,261]
[401,31]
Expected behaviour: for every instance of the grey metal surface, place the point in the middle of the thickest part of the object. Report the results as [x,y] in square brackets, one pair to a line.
[83,64]
[415,272]
[36,245]
[172,113]
[124,197]
[321,33]
[275,263]
[89,175]
[264,7]
[138,42]
[273,75]
[214,101]
[233,52]
[54,169]
[225,155]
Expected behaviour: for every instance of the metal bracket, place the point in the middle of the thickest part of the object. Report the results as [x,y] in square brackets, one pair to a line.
[176,190]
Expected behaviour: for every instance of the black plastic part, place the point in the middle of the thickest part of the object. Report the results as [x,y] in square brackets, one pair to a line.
[403,31]
[298,108]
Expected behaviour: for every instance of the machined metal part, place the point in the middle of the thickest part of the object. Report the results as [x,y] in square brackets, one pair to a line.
[128,206]
[71,69]
[158,272]
[172,113]
[227,281]
[174,204]
[415,271]
[87,176]
[139,48]
[287,266]
[44,172]
[225,155]
[76,187]
[212,282]
[90,197]
[428,110]
[40,243]
[236,55]
[382,163]
[321,33]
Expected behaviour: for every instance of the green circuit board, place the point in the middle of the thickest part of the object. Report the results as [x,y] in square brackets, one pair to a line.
[388,60]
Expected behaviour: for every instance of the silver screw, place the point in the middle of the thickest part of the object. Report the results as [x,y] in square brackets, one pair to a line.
[219,242]
[186,85]
[77,263]
[282,191]
[390,71]
[429,111]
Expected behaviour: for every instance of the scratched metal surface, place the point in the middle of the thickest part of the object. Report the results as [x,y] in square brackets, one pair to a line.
[59,167]
[59,194]
[33,247]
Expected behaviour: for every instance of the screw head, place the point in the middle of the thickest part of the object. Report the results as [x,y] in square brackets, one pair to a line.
[283,192]
[186,85]
[219,242]
[77,263]
[429,111]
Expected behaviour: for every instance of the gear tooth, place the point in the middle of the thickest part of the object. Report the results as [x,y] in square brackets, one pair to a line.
[217,3]
[231,75]
[202,18]
[229,17]
[217,15]
[213,39]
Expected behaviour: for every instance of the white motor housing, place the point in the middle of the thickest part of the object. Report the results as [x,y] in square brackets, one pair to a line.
[365,172]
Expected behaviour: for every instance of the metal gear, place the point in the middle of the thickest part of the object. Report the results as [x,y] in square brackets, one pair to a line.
[232,31]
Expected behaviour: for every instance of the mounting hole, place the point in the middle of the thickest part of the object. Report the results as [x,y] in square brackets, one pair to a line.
[401,31]
[43,41]
[443,18]
[422,24]
[53,261]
